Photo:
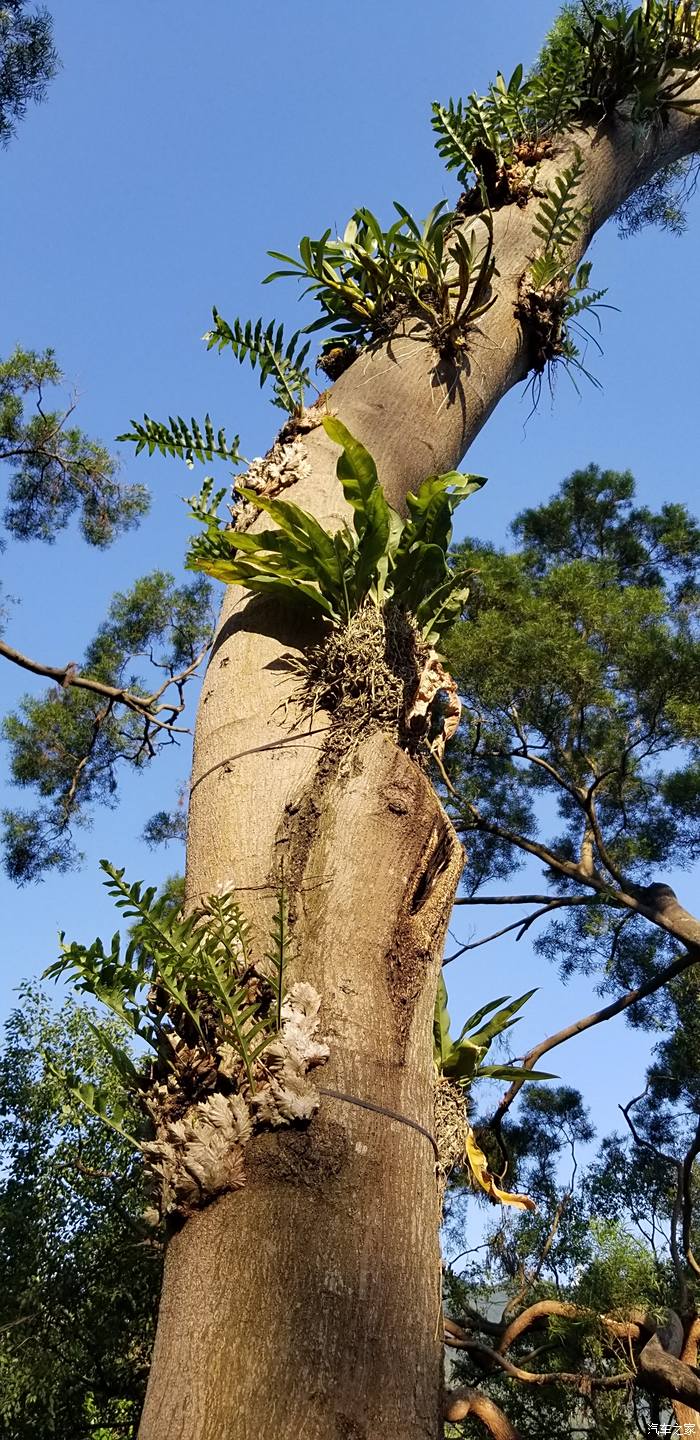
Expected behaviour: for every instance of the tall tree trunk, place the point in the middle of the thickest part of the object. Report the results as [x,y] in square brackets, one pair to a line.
[307,1304]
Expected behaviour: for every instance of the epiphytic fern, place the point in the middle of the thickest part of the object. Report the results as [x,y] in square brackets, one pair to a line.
[183,441]
[182,983]
[493,122]
[557,292]
[264,347]
[559,220]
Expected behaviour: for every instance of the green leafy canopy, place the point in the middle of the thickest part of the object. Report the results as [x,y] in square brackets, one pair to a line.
[382,558]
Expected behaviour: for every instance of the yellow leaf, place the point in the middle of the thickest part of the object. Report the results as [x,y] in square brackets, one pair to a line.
[480,1170]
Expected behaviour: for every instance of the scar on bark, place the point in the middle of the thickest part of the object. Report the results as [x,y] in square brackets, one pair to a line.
[429,896]
[311,1159]
[300,825]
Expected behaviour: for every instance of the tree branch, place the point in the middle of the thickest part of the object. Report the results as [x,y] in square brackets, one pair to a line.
[598,1017]
[522,925]
[144,705]
[662,1372]
[583,1382]
[504,899]
[677,1210]
[630,1329]
[465,1401]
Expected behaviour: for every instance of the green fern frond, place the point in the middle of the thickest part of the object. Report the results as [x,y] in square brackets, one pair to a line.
[547,270]
[264,347]
[454,140]
[559,221]
[183,441]
[494,122]
[178,972]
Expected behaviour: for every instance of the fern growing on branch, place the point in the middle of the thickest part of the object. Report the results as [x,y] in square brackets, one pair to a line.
[180,980]
[382,559]
[266,351]
[559,220]
[555,292]
[183,441]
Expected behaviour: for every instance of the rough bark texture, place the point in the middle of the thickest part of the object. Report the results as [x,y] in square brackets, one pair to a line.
[330,1254]
[307,1305]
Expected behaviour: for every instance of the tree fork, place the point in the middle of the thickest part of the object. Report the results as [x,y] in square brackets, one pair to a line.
[307,1304]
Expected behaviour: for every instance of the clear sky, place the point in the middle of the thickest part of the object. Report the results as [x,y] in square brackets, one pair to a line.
[177,145]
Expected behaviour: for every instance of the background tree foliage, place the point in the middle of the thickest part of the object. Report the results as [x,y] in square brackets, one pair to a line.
[579,662]
[79,1271]
[28,61]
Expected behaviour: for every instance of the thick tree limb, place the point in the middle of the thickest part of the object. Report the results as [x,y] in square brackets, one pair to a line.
[464,1402]
[662,1372]
[630,1329]
[657,902]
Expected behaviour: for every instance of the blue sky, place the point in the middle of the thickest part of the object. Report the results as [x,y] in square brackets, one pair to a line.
[177,145]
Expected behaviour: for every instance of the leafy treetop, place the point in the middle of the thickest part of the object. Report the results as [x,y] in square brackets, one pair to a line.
[28,61]
[579,663]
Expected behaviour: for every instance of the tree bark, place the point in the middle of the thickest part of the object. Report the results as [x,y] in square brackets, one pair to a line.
[685,1414]
[307,1305]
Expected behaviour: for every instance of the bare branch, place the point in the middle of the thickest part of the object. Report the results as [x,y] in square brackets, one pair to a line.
[676,1213]
[584,1382]
[523,924]
[598,1017]
[503,900]
[144,705]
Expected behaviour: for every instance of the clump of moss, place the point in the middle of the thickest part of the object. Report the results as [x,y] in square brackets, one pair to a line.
[451,1128]
[365,673]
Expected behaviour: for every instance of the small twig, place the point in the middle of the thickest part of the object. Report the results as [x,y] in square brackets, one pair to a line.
[522,925]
